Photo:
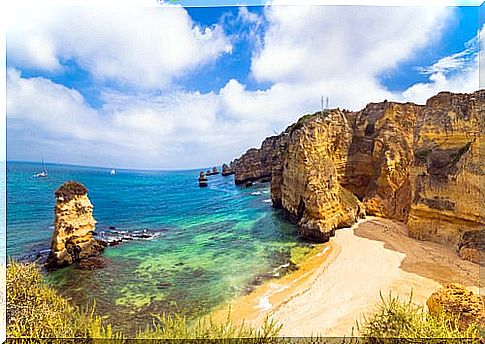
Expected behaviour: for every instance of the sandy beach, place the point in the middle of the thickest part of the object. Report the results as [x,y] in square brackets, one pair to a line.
[337,285]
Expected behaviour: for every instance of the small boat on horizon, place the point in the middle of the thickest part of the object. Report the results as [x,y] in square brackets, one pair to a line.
[44,171]
[112,172]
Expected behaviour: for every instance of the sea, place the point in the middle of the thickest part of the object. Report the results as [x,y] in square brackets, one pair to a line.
[206,245]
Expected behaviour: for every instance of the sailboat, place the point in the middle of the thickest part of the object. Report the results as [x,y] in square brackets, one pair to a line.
[44,171]
[112,172]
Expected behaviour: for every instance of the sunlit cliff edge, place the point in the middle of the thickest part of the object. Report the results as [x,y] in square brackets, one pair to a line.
[419,164]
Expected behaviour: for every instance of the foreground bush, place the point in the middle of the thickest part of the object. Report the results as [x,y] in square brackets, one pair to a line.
[35,310]
[395,318]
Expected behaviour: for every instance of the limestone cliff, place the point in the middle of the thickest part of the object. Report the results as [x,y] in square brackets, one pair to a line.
[447,199]
[258,164]
[74,225]
[314,161]
[413,163]
[380,157]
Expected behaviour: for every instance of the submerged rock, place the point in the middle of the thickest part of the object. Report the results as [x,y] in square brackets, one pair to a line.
[92,263]
[73,238]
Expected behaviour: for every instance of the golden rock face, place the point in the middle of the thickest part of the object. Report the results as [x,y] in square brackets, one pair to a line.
[380,158]
[74,225]
[455,300]
[314,161]
[447,200]
[412,163]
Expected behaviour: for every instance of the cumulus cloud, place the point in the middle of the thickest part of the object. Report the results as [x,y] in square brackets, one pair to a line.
[177,130]
[301,52]
[314,42]
[144,47]
[455,73]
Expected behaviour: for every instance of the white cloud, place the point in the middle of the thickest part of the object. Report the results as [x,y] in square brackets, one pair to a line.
[145,47]
[177,130]
[315,42]
[305,52]
[455,73]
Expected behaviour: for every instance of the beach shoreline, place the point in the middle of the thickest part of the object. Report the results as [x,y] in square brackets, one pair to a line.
[336,287]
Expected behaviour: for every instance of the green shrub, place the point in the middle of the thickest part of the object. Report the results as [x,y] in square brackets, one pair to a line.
[35,310]
[177,327]
[405,320]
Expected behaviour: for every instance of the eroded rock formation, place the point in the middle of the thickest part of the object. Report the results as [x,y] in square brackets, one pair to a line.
[313,165]
[458,302]
[226,170]
[446,196]
[259,164]
[380,157]
[74,225]
[414,163]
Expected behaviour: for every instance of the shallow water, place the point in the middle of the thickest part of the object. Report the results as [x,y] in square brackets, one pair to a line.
[214,242]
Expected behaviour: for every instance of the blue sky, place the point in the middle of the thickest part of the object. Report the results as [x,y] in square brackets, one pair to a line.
[182,87]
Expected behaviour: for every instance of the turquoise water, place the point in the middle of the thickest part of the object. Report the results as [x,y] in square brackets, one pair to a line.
[214,243]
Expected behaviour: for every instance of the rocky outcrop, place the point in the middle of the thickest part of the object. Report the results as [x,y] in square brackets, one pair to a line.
[380,157]
[226,170]
[456,301]
[313,164]
[447,199]
[202,179]
[74,225]
[212,172]
[471,246]
[414,163]
[259,164]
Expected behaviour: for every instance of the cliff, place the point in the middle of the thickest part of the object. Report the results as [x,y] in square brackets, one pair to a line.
[413,163]
[308,183]
[74,224]
[446,196]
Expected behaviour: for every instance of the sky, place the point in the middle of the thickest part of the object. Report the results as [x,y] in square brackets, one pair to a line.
[173,87]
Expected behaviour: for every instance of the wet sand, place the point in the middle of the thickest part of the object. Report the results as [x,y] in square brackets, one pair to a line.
[341,282]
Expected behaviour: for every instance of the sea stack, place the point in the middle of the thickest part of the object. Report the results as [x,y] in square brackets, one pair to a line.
[212,172]
[226,170]
[202,179]
[72,240]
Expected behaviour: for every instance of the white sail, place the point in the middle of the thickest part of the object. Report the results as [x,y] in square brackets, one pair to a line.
[44,170]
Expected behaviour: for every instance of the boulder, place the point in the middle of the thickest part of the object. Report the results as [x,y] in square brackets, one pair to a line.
[458,302]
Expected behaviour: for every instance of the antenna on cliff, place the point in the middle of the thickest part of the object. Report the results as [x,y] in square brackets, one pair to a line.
[321,103]
[326,107]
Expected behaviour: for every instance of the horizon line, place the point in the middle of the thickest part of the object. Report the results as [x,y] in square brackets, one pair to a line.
[155,169]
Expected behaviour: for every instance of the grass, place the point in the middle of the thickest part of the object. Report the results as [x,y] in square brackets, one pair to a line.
[36,310]
[395,318]
[303,119]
